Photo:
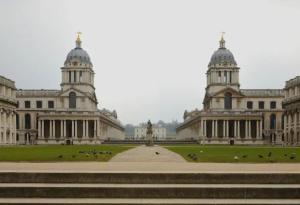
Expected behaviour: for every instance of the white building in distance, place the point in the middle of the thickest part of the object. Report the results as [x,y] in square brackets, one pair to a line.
[159,133]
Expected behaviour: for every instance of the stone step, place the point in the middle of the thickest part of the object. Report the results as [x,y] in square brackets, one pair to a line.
[151,178]
[95,201]
[154,191]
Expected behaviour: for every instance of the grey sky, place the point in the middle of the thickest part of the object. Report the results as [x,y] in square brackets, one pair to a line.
[150,57]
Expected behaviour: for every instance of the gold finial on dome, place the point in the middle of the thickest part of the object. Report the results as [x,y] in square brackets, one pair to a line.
[78,41]
[222,41]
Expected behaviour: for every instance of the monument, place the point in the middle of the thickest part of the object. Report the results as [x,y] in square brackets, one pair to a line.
[149,134]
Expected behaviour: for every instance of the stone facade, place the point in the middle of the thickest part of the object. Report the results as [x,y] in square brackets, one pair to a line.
[291,105]
[8,104]
[69,115]
[231,114]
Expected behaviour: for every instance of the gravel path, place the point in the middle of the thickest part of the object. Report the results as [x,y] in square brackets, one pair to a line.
[148,154]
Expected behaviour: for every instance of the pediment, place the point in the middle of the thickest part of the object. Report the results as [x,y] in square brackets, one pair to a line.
[233,92]
[78,92]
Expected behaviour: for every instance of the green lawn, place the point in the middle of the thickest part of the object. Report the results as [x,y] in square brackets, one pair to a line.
[242,154]
[57,153]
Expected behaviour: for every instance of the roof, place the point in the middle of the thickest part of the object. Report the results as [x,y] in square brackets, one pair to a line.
[263,92]
[7,82]
[37,93]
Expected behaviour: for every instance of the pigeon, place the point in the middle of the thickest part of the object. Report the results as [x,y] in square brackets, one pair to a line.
[270,154]
[292,157]
[260,156]
[60,156]
[157,153]
[244,156]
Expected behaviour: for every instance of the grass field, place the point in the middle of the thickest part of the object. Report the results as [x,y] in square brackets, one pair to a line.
[241,154]
[57,153]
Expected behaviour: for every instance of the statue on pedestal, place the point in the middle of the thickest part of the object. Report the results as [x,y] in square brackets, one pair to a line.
[149,134]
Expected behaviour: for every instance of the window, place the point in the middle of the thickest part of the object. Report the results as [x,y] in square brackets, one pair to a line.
[250,105]
[228,101]
[17,121]
[27,104]
[75,76]
[72,100]
[273,104]
[27,121]
[261,105]
[39,104]
[17,104]
[50,104]
[273,121]
[80,76]
[70,77]
[230,76]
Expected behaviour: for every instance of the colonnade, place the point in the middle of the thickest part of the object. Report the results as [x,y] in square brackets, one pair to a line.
[8,129]
[292,128]
[230,128]
[68,128]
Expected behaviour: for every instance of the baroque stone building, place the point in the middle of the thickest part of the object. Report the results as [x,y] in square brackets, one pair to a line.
[231,114]
[8,104]
[69,115]
[291,105]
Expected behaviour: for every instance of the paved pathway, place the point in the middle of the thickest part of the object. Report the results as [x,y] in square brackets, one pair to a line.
[148,154]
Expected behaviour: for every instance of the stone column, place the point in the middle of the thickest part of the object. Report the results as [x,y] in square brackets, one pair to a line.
[61,128]
[257,129]
[10,127]
[285,128]
[234,135]
[1,126]
[250,129]
[227,128]
[99,129]
[216,128]
[87,128]
[246,129]
[224,128]
[83,129]
[72,130]
[95,129]
[39,128]
[261,129]
[75,124]
[238,129]
[204,123]
[201,128]
[53,132]
[213,128]
[51,129]
[43,131]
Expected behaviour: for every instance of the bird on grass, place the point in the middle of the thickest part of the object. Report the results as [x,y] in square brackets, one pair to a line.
[60,156]
[270,154]
[245,156]
[292,157]
[260,156]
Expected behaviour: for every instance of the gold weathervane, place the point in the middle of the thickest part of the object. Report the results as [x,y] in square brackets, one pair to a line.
[222,35]
[78,35]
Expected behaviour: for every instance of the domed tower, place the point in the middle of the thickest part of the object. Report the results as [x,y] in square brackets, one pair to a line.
[222,70]
[77,72]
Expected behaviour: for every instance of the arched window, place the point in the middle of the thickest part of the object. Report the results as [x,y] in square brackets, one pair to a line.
[273,121]
[27,121]
[228,101]
[72,100]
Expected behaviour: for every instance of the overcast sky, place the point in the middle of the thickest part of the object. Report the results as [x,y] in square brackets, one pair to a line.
[150,57]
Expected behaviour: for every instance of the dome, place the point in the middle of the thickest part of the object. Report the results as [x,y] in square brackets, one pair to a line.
[222,56]
[78,56]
